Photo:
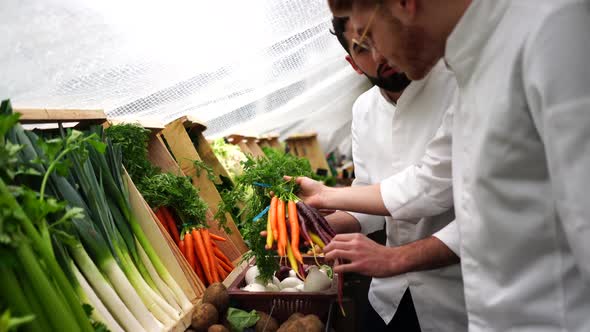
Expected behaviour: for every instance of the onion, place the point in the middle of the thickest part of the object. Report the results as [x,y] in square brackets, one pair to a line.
[252,274]
[316,281]
[290,282]
[254,288]
[289,290]
[270,287]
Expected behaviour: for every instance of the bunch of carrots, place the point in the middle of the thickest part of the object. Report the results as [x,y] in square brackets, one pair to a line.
[198,246]
[290,221]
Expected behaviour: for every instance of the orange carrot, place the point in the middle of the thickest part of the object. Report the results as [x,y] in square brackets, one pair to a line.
[221,272]
[182,247]
[221,256]
[224,265]
[171,224]
[217,237]
[294,222]
[210,254]
[202,254]
[274,221]
[190,251]
[199,270]
[162,220]
[282,226]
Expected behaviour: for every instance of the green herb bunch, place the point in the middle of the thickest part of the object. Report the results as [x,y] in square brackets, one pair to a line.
[252,192]
[158,189]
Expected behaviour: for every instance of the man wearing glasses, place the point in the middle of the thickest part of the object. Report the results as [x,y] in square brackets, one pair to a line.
[521,143]
[391,134]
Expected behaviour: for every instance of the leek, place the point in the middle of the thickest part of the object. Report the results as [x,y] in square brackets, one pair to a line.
[116,189]
[101,313]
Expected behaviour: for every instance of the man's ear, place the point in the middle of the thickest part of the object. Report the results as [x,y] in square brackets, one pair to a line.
[353,64]
[403,10]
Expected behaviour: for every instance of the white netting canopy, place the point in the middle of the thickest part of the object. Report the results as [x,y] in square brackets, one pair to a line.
[251,67]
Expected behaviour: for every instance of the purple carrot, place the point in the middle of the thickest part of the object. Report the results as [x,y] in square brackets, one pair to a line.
[323,222]
[307,214]
[303,223]
[320,219]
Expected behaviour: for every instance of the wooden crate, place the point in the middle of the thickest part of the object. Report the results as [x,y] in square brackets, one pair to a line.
[247,144]
[195,130]
[168,252]
[252,143]
[176,138]
[307,146]
[271,141]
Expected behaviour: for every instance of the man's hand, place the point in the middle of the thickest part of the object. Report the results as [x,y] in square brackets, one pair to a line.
[310,191]
[363,255]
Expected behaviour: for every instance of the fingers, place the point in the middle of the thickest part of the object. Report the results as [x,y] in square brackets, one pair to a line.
[345,268]
[263,234]
[346,237]
[339,245]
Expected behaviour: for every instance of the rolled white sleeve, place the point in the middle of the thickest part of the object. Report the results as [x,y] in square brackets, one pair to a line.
[451,237]
[369,223]
[424,189]
[558,90]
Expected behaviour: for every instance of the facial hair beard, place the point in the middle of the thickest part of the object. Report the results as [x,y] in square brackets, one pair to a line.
[394,83]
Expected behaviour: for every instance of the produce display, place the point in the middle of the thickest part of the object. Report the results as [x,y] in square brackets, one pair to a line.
[273,208]
[73,255]
[176,202]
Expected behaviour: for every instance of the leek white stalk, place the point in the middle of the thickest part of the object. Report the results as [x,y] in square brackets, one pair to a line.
[100,312]
[127,307]
[162,287]
[154,303]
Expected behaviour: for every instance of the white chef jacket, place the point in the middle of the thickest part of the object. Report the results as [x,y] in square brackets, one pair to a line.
[521,160]
[389,140]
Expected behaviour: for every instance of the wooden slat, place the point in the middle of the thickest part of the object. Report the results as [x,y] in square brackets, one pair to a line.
[185,153]
[163,244]
[145,123]
[307,146]
[45,115]
[240,142]
[207,155]
[253,146]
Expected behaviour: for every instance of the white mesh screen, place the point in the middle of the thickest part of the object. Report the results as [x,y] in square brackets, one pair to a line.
[239,66]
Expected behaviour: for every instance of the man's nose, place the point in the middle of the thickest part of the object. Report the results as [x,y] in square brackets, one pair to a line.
[377,56]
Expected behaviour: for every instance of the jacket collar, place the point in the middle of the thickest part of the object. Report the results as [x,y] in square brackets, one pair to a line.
[466,42]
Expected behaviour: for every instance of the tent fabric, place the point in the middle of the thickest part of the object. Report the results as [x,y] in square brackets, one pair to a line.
[250,67]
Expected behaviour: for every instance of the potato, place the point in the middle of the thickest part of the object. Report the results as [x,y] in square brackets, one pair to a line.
[296,315]
[312,323]
[292,326]
[265,320]
[217,295]
[205,316]
[217,328]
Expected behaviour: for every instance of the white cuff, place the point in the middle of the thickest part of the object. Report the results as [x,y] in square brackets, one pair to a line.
[450,236]
[369,223]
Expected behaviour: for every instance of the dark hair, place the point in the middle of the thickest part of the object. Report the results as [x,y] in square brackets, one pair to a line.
[339,26]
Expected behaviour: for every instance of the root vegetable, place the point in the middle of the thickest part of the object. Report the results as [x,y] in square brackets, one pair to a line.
[266,323]
[217,295]
[217,328]
[290,282]
[254,288]
[205,316]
